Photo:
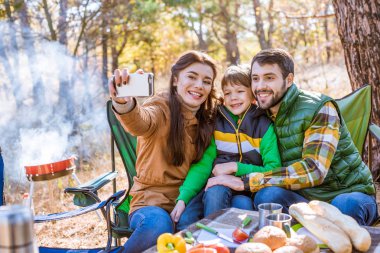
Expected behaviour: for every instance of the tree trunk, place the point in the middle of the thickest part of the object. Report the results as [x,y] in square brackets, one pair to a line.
[13,49]
[202,44]
[62,24]
[271,24]
[230,35]
[28,39]
[359,31]
[66,100]
[260,33]
[232,49]
[53,34]
[105,27]
[327,34]
[115,57]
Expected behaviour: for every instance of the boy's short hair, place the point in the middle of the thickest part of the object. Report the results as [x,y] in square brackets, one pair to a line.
[275,56]
[237,74]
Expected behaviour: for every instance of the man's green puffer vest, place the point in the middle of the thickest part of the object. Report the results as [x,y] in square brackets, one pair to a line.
[347,172]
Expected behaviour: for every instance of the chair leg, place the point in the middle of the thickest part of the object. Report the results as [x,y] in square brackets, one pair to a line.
[370,152]
[52,200]
[30,199]
[76,179]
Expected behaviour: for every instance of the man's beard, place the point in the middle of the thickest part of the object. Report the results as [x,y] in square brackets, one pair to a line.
[275,100]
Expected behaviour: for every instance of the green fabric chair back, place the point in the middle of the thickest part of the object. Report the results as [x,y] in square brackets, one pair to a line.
[126,144]
[356,111]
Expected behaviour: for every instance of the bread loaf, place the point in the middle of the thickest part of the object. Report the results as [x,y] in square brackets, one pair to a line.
[288,249]
[304,243]
[272,236]
[253,247]
[359,236]
[329,233]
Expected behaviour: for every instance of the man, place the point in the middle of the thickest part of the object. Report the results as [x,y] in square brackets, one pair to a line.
[319,157]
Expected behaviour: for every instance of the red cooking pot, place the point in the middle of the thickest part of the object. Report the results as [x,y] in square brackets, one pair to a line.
[50,170]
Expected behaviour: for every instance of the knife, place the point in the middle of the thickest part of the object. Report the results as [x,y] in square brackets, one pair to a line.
[213,231]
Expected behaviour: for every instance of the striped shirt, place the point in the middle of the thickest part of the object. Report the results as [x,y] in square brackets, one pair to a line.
[319,146]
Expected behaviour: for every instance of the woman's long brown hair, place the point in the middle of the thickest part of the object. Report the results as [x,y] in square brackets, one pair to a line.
[205,114]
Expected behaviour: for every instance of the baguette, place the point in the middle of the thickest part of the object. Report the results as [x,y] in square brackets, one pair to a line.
[359,236]
[330,234]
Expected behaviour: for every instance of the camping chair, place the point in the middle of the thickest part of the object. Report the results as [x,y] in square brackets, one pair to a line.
[86,194]
[126,145]
[356,111]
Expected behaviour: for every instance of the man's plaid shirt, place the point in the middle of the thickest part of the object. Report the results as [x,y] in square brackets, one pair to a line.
[320,143]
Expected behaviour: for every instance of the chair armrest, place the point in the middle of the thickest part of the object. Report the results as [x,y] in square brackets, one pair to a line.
[80,211]
[375,131]
[93,185]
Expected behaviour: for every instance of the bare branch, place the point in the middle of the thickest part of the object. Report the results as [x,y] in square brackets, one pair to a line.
[306,17]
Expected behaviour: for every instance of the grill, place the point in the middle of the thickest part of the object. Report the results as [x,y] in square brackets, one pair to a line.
[50,170]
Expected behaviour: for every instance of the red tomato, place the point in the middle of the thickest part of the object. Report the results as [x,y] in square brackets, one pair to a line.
[239,235]
[220,248]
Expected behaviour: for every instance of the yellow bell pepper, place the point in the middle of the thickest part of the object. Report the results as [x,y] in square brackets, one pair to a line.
[169,243]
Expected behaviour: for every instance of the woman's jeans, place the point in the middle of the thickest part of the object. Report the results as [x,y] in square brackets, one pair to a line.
[148,223]
[1,180]
[360,206]
[214,199]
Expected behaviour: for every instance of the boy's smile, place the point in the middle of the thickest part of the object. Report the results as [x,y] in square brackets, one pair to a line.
[237,98]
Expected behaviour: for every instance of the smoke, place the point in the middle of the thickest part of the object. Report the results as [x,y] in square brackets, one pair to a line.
[51,106]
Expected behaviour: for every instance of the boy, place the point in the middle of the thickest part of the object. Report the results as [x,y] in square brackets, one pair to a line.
[243,142]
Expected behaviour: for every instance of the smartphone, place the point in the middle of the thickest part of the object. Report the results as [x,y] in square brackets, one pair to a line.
[139,85]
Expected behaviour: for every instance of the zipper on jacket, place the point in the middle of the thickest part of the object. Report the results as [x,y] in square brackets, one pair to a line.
[237,130]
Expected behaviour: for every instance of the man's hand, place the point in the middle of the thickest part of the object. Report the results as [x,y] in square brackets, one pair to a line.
[235,183]
[225,169]
[177,211]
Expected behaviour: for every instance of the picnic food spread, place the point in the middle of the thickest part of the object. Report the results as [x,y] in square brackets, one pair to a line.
[338,231]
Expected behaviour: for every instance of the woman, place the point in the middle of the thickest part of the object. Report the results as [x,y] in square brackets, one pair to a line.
[173,129]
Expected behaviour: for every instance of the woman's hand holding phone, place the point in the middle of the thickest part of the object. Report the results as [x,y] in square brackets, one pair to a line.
[120,77]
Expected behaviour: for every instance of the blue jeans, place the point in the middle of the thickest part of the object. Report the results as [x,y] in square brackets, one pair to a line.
[360,206]
[148,223]
[192,213]
[1,181]
[207,202]
[219,197]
